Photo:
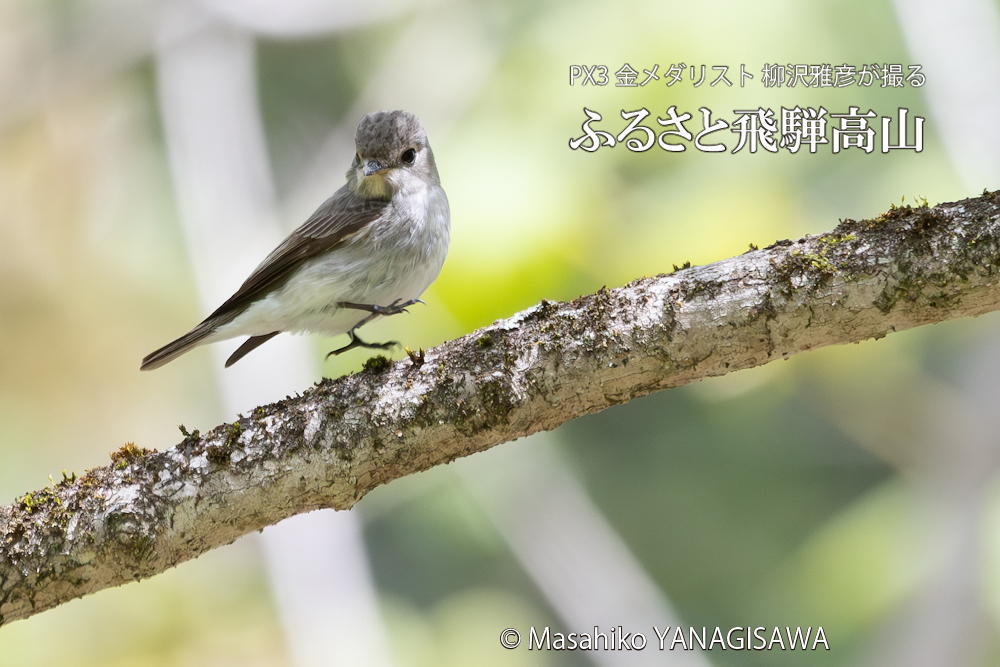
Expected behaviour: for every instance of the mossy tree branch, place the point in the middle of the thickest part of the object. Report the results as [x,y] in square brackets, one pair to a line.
[328,447]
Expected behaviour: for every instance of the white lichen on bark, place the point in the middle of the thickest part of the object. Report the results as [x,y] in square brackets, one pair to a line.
[338,440]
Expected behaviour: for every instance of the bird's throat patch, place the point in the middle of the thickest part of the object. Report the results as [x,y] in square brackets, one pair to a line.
[375,186]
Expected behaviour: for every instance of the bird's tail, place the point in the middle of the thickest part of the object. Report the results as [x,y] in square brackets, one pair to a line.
[172,350]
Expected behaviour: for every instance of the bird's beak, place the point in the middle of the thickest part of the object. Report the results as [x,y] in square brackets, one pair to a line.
[374,167]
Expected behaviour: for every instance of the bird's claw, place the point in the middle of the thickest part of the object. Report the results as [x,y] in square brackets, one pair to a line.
[396,307]
[357,342]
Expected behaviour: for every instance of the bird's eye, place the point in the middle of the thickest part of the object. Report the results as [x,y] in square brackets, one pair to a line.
[408,156]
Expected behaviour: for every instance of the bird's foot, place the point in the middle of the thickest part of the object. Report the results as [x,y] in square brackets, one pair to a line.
[395,308]
[357,342]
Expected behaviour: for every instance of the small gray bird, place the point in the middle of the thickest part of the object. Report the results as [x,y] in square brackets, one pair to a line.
[370,250]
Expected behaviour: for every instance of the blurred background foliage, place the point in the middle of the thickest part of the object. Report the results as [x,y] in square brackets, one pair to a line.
[779,496]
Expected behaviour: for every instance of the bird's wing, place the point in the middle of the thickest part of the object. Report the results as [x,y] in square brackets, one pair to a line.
[340,217]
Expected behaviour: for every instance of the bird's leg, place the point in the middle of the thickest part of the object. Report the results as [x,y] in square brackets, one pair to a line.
[357,342]
[395,308]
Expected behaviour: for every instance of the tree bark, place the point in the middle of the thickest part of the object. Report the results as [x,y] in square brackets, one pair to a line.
[551,363]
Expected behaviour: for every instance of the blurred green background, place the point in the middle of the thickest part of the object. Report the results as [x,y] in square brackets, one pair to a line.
[801,493]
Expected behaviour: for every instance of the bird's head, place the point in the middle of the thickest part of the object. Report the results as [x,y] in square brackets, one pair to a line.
[392,156]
